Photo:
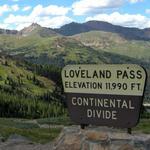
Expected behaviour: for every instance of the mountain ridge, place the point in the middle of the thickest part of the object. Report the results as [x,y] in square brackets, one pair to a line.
[74,28]
[126,32]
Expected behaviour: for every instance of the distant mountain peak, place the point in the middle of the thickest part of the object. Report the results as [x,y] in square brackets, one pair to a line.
[27,30]
[35,25]
[38,30]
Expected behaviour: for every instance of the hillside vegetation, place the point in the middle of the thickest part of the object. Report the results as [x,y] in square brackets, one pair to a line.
[15,78]
[84,48]
[25,93]
[112,42]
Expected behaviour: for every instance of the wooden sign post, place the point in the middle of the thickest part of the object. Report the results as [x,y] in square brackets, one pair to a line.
[109,95]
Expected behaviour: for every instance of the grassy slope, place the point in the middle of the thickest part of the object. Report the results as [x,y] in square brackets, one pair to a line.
[13,44]
[143,126]
[113,43]
[10,68]
[27,128]
[58,50]
[55,50]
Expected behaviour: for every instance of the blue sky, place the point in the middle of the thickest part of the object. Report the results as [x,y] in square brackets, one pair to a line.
[17,14]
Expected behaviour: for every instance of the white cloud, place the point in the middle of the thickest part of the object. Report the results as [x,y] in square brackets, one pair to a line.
[12,19]
[51,16]
[135,1]
[3,26]
[15,7]
[55,10]
[26,8]
[126,20]
[4,8]
[84,7]
[49,22]
[22,25]
[24,21]
[54,22]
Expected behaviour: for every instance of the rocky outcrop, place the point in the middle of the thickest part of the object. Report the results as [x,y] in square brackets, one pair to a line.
[17,142]
[91,138]
[98,138]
